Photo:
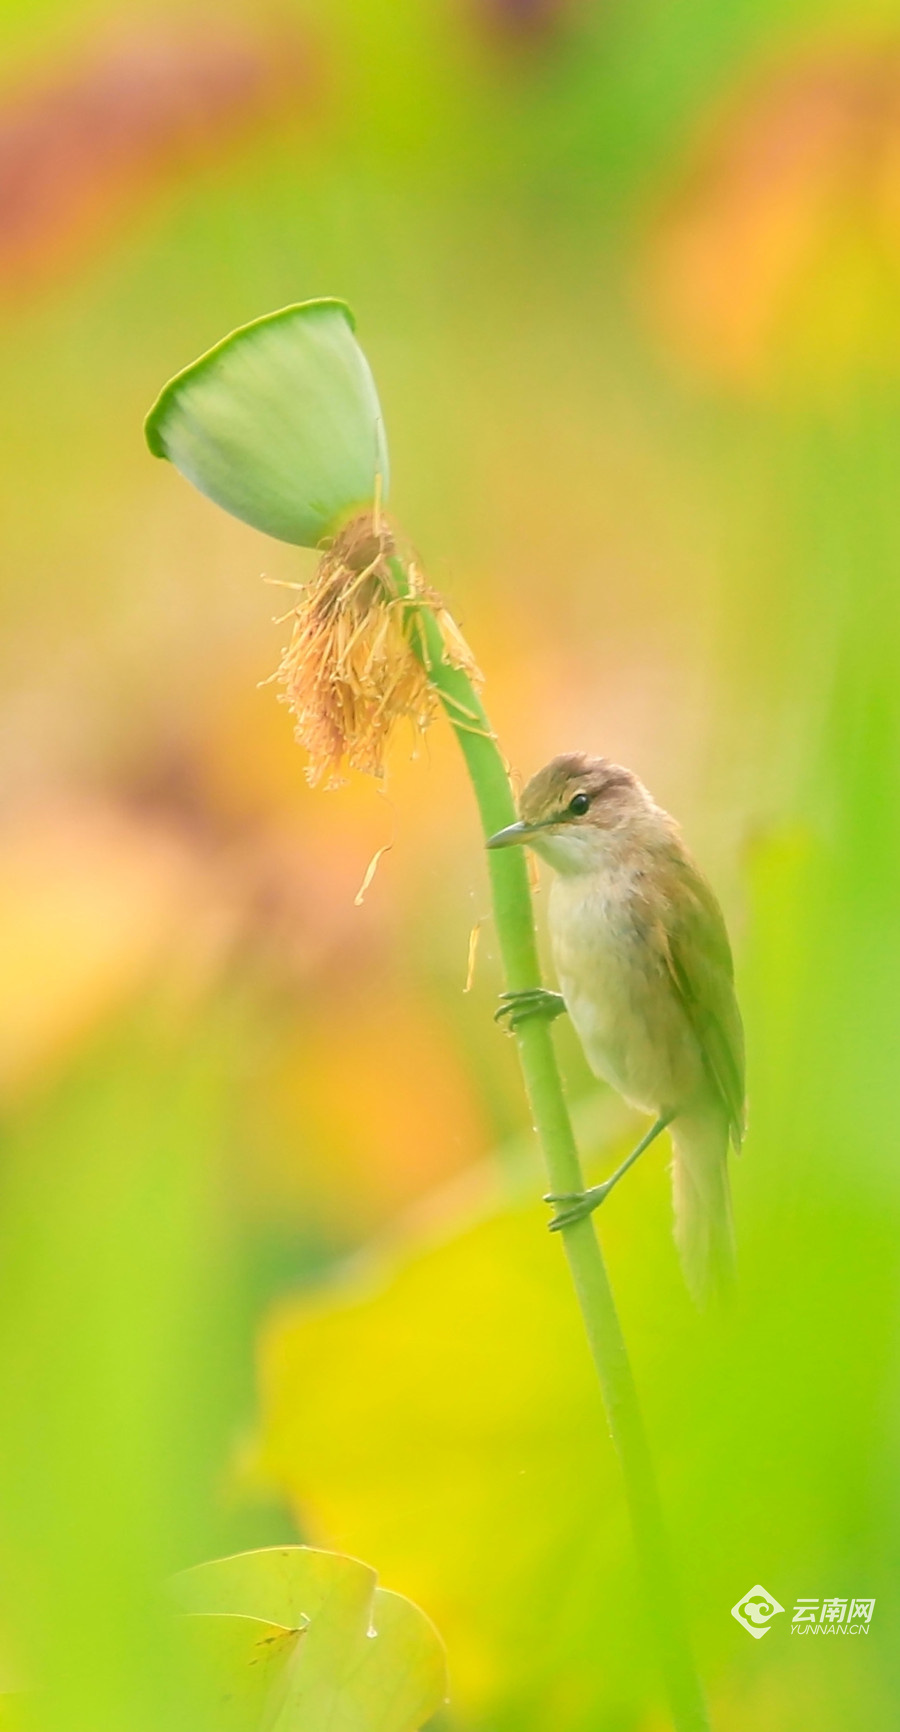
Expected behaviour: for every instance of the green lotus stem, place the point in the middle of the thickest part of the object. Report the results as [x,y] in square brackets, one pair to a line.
[518,944]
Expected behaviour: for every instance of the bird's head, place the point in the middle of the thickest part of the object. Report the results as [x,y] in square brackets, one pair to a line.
[571,807]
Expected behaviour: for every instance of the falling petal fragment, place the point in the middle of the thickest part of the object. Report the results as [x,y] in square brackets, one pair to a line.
[360,897]
[474,936]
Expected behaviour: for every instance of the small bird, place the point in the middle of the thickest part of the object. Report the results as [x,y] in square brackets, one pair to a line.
[644,963]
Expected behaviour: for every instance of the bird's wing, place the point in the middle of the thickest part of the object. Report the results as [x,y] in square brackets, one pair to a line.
[698,956]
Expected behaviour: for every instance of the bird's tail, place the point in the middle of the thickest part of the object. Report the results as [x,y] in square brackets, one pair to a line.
[701,1195]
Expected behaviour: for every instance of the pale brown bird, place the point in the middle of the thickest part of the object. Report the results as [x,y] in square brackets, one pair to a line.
[644,963]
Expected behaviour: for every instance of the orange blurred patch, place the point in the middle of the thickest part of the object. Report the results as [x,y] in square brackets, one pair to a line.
[93,905]
[360,1111]
[781,253]
[78,149]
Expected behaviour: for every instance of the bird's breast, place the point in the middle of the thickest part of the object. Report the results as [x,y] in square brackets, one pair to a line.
[614,978]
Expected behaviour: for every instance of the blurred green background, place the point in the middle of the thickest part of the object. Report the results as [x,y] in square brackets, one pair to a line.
[272,1260]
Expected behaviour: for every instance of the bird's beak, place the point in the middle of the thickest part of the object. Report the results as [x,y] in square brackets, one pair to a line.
[513,834]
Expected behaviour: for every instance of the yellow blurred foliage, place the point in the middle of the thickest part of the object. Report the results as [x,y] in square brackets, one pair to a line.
[443,1417]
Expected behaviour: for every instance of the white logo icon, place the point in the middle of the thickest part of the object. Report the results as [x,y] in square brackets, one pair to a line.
[756,1610]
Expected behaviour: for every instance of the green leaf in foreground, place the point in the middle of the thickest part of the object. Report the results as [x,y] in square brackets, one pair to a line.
[279,424]
[290,1639]
[436,1409]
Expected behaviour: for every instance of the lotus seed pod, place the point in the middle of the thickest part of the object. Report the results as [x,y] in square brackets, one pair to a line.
[279,424]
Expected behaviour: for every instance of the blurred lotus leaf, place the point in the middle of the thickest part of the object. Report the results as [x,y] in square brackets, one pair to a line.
[289,1638]
[242,1664]
[280,423]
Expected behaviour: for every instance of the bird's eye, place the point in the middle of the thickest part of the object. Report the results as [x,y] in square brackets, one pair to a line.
[579,804]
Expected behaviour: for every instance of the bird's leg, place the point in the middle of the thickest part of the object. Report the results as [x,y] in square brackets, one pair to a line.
[583,1203]
[533,1001]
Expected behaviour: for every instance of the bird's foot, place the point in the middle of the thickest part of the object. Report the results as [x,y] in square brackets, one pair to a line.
[581,1204]
[521,1006]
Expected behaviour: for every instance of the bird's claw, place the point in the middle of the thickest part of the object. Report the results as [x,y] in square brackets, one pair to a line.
[533,1001]
[583,1203]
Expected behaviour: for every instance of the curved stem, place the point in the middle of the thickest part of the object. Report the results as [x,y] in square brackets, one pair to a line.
[518,945]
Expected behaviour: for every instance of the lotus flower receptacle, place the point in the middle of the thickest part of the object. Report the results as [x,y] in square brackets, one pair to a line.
[280,424]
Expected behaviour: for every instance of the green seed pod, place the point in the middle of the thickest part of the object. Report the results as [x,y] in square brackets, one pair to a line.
[280,424]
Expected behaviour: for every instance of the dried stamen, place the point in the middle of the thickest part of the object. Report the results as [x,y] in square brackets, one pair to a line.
[350,671]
